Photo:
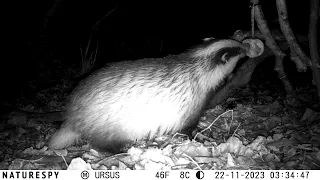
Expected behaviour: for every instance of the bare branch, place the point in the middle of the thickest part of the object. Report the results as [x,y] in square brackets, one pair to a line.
[270,42]
[287,31]
[313,44]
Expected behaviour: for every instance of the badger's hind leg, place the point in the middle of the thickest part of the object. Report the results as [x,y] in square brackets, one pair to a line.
[63,138]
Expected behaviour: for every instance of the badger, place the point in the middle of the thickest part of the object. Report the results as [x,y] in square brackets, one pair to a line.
[129,101]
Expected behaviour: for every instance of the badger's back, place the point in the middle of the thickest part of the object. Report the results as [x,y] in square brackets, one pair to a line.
[131,100]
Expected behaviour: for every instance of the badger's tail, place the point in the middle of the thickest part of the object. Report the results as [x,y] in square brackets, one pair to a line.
[64,137]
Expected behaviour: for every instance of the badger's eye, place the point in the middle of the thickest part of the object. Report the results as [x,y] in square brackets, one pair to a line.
[224,57]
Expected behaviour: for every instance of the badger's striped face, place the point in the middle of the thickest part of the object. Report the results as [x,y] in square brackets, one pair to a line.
[218,59]
[219,48]
[227,59]
[226,54]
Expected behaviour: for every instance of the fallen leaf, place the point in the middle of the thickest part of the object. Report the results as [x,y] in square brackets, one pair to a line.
[79,164]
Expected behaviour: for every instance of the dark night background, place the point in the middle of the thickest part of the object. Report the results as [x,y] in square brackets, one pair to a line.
[37,52]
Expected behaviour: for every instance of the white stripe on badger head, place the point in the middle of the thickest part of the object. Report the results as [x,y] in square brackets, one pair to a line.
[212,79]
[215,46]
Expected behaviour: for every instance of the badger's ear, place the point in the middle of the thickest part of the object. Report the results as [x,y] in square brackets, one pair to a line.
[225,54]
[224,57]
